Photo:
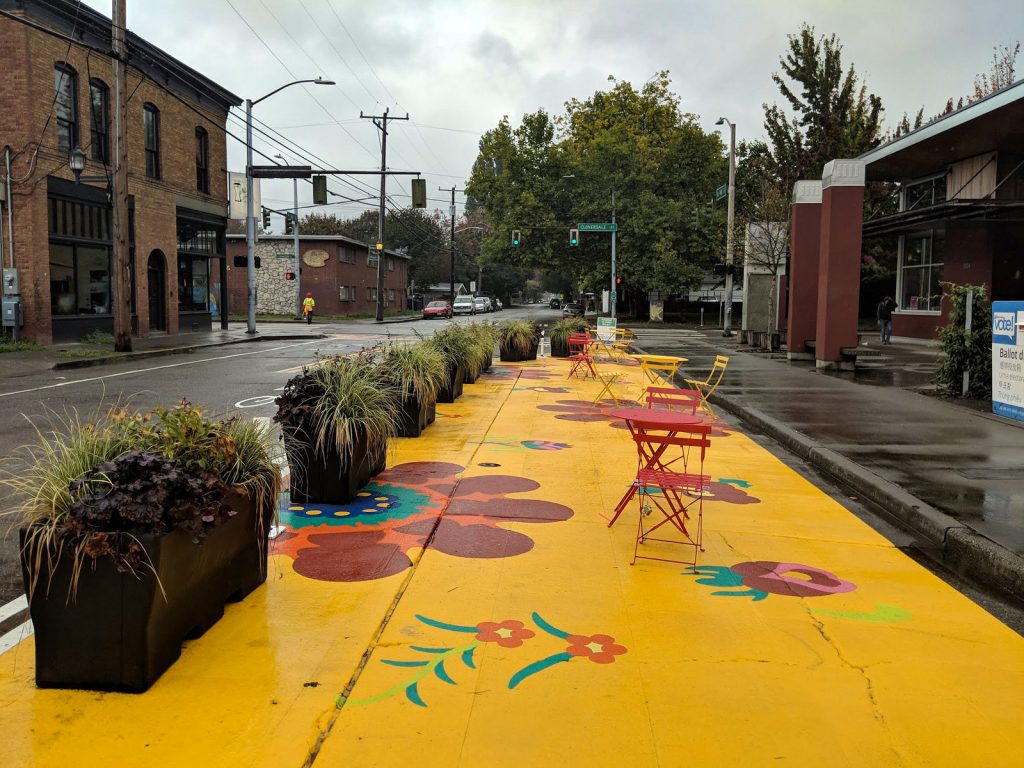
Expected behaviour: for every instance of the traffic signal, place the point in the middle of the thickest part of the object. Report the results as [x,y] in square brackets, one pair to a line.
[266,218]
[419,193]
[618,280]
[515,237]
[320,190]
[574,237]
[289,224]
[289,275]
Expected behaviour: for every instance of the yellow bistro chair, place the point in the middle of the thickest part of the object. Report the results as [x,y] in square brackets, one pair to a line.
[710,384]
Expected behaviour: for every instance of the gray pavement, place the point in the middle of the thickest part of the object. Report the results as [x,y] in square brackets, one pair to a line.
[949,473]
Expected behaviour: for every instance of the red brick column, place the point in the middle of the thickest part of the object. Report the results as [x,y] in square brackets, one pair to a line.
[804,241]
[842,216]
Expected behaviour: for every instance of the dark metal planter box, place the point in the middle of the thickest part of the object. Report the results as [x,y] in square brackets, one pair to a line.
[509,355]
[120,632]
[559,347]
[453,390]
[329,478]
[415,416]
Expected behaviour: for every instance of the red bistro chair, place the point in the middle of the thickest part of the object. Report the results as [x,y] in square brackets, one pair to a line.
[673,498]
[669,398]
[580,357]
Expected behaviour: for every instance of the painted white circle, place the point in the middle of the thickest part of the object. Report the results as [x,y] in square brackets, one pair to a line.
[255,402]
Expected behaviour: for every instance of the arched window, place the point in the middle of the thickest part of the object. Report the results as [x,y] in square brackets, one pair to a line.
[99,108]
[202,160]
[65,104]
[151,128]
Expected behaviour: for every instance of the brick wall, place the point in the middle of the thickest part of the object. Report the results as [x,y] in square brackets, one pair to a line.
[29,58]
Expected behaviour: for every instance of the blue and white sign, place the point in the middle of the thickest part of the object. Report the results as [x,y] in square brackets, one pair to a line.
[1008,359]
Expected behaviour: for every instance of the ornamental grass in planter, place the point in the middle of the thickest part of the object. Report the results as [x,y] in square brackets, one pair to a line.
[483,337]
[336,418]
[518,340]
[455,344]
[560,332]
[416,372]
[137,527]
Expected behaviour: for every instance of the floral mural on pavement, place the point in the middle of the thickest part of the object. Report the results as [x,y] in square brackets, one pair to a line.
[369,538]
[509,634]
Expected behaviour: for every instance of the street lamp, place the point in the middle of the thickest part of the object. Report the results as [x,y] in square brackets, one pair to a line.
[613,295]
[76,161]
[727,330]
[250,219]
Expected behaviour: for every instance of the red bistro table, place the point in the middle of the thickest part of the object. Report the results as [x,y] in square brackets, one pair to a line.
[640,421]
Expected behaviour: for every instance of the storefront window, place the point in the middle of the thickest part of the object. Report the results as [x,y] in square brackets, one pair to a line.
[193,283]
[921,266]
[79,280]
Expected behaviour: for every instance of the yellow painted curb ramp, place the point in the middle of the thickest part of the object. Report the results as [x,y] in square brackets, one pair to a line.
[473,608]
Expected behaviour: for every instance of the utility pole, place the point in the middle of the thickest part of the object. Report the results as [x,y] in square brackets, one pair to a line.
[382,125]
[614,295]
[727,329]
[298,261]
[121,300]
[451,216]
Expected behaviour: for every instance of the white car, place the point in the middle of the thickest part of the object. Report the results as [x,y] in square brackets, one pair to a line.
[482,304]
[464,305]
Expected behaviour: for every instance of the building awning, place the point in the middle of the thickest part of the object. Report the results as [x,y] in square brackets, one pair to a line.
[951,210]
[994,123]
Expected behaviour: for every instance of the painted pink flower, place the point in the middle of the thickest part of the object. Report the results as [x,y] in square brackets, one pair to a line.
[600,649]
[508,634]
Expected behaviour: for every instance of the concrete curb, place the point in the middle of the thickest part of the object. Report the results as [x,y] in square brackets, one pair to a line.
[964,550]
[64,365]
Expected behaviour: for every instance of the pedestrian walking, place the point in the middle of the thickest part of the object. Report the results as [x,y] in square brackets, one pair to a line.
[885,308]
[308,305]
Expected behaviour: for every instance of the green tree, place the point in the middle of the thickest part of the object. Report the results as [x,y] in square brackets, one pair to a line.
[833,115]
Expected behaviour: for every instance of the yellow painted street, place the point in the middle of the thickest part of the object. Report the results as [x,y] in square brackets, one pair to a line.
[473,607]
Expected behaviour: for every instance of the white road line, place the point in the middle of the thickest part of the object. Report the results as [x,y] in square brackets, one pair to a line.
[15,636]
[12,608]
[160,367]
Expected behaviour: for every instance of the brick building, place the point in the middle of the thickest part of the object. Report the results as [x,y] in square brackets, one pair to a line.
[57,95]
[340,272]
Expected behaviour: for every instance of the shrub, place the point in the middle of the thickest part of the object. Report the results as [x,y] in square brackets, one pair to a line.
[418,369]
[454,343]
[966,351]
[561,330]
[518,336]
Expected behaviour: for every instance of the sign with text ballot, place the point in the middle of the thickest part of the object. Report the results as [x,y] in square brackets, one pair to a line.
[1008,359]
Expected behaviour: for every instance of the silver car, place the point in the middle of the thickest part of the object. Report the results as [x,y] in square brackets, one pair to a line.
[482,304]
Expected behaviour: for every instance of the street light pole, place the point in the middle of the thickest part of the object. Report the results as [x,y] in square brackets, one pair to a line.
[613,296]
[250,216]
[727,329]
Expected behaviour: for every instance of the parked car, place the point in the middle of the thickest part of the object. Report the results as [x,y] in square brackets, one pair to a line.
[437,309]
[572,309]
[464,305]
[555,304]
[482,304]
[498,306]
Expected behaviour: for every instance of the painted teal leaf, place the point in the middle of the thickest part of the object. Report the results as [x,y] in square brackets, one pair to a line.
[395,663]
[412,693]
[753,594]
[440,671]
[537,666]
[467,658]
[424,649]
[547,627]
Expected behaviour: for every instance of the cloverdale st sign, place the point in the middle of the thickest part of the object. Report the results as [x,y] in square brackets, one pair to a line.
[608,227]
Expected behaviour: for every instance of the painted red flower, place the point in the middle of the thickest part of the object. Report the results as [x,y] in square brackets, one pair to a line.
[600,649]
[508,634]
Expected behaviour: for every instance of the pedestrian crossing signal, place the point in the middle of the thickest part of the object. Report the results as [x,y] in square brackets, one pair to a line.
[289,275]
[574,237]
[515,237]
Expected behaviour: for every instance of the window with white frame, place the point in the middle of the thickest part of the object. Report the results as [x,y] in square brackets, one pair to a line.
[920,272]
[343,293]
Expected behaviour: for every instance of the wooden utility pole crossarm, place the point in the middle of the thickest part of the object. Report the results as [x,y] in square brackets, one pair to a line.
[121,300]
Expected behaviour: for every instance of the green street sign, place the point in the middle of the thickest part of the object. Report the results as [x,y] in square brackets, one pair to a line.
[284,256]
[609,227]
[615,295]
[721,192]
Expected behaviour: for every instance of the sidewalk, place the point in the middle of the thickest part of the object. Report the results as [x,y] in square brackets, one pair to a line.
[950,473]
[474,608]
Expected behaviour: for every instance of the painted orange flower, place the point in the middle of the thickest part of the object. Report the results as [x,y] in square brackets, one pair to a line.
[508,634]
[600,649]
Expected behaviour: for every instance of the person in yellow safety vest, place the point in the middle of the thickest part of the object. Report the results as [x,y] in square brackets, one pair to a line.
[308,305]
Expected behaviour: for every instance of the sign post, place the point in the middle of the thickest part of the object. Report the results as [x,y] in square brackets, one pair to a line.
[1008,359]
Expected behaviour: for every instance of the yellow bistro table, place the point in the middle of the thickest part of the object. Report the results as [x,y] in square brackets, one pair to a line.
[654,366]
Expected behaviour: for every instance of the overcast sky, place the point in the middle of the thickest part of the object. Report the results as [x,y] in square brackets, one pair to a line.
[457,66]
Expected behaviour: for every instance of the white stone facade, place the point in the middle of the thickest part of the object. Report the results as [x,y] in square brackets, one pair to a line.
[274,294]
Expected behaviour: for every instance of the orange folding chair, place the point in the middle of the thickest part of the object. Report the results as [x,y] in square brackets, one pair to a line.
[677,496]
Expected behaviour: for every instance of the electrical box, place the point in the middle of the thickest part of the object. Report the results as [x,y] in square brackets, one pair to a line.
[11,309]
[12,285]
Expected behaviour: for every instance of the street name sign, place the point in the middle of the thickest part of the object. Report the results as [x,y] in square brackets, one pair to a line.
[599,227]
[721,192]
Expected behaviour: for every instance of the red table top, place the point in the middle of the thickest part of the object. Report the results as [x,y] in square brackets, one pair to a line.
[657,419]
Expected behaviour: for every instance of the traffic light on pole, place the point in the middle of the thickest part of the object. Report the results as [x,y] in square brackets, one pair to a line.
[574,237]
[289,224]
[515,237]
[266,218]
[289,275]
